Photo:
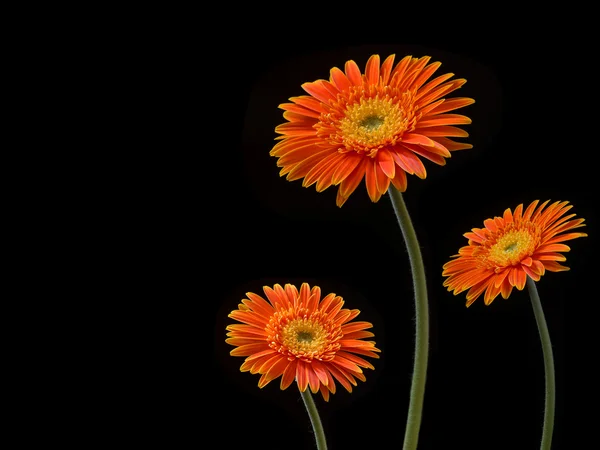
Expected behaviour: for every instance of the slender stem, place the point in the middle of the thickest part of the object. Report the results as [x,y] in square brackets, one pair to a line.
[315,420]
[417,391]
[548,365]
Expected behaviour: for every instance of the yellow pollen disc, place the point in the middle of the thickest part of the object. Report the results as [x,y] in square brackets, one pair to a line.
[372,123]
[304,336]
[512,248]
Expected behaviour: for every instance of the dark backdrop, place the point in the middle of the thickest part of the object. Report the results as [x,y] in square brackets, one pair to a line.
[533,139]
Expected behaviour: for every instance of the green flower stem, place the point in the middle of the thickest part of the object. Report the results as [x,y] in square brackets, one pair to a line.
[315,420]
[417,391]
[548,365]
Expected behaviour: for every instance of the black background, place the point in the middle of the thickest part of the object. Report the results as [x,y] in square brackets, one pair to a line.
[189,213]
[231,225]
[485,385]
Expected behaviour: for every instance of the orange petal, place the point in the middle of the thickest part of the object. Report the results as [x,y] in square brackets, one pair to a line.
[553,266]
[327,301]
[340,79]
[353,73]
[400,70]
[275,370]
[292,292]
[340,377]
[313,300]
[335,306]
[299,119]
[345,167]
[247,318]
[444,119]
[565,237]
[353,314]
[386,162]
[304,295]
[302,375]
[334,91]
[386,69]
[372,69]
[475,292]
[289,374]
[452,104]
[265,354]
[320,370]
[412,161]
[249,349]
[318,91]
[499,278]
[419,139]
[518,212]
[442,90]
[359,335]
[399,181]
[381,179]
[351,182]
[310,103]
[292,143]
[292,107]
[345,364]
[547,248]
[425,91]
[442,131]
[413,71]
[491,293]
[318,170]
[294,129]
[490,224]
[313,380]
[340,199]
[451,145]
[259,304]
[534,276]
[326,177]
[356,326]
[244,329]
[530,209]
[271,294]
[425,74]
[356,360]
[520,279]
[550,257]
[506,288]
[538,267]
[239,341]
[371,180]
[303,167]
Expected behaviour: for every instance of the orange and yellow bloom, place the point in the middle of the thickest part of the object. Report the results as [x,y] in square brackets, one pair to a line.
[299,336]
[510,248]
[377,125]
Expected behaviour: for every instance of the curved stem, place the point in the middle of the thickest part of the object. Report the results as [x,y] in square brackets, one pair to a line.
[315,420]
[417,391]
[548,365]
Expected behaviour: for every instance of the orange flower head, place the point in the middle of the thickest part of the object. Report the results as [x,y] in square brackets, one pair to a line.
[298,336]
[510,248]
[377,125]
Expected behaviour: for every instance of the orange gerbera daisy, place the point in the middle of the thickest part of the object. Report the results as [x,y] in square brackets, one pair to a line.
[299,336]
[375,125]
[510,248]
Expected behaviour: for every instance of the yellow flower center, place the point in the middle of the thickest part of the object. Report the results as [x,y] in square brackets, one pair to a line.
[297,333]
[303,336]
[372,123]
[512,248]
